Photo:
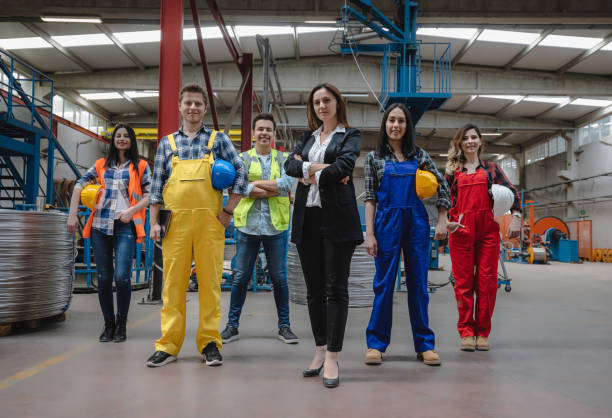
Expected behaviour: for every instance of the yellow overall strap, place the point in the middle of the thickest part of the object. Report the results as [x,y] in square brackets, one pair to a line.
[211,141]
[172,145]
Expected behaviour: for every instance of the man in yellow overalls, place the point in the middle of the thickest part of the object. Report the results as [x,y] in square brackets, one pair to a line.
[182,182]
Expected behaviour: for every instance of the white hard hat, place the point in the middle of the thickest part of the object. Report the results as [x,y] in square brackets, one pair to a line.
[503,198]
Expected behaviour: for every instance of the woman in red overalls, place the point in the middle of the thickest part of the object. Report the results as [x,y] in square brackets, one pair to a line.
[474,234]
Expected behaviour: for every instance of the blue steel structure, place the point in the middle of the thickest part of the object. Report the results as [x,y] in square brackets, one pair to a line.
[402,55]
[21,130]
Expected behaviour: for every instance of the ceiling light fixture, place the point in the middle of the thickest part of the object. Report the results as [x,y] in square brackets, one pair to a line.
[71,19]
[101,96]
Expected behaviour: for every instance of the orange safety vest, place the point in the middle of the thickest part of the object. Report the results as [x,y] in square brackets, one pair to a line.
[134,194]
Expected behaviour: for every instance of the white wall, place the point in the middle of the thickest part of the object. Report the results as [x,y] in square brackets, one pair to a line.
[82,149]
[593,159]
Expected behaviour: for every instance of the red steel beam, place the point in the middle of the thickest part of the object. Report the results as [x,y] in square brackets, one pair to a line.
[247,103]
[216,14]
[211,99]
[170,66]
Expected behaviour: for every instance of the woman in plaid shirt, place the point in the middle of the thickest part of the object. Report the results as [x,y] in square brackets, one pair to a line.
[113,224]
[396,221]
[474,235]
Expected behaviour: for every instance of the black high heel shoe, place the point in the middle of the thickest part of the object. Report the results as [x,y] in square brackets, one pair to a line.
[312,372]
[332,383]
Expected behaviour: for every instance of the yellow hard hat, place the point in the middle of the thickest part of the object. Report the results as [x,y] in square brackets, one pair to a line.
[426,184]
[89,195]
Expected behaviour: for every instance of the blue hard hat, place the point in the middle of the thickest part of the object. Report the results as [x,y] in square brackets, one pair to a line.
[222,174]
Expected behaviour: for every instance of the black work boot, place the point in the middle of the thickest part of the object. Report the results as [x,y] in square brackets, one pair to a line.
[109,330]
[120,330]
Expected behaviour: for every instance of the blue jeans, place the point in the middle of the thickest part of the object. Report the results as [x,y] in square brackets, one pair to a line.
[123,243]
[247,248]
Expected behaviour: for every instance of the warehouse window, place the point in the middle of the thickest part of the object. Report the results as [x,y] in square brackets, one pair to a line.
[510,167]
[545,149]
[58,105]
[595,131]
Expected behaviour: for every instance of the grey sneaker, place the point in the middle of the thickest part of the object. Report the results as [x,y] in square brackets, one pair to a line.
[287,336]
[211,354]
[229,334]
[160,358]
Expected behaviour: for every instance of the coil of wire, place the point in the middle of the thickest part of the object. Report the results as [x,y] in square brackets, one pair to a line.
[360,280]
[36,265]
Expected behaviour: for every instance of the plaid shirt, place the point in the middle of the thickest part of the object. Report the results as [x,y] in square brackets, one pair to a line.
[495,175]
[116,182]
[191,149]
[374,169]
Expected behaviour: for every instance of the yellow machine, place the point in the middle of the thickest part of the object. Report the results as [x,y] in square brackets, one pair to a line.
[90,194]
[426,184]
[151,134]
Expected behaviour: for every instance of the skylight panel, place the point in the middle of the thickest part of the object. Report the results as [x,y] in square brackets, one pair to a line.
[506,36]
[246,31]
[208,32]
[562,41]
[102,96]
[607,47]
[592,102]
[83,40]
[315,29]
[501,96]
[142,94]
[140,37]
[455,33]
[547,99]
[24,43]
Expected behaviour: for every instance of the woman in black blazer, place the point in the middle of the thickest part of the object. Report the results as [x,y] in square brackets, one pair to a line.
[326,226]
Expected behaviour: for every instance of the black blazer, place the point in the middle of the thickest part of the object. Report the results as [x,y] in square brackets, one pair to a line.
[340,218]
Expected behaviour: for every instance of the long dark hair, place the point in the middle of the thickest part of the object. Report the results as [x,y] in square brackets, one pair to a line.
[112,157]
[408,141]
[313,120]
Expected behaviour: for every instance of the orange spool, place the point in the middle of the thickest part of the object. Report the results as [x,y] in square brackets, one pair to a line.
[543,224]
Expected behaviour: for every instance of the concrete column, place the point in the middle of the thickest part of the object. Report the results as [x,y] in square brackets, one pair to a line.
[570,172]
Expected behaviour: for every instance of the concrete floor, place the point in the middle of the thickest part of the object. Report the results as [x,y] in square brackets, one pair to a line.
[551,356]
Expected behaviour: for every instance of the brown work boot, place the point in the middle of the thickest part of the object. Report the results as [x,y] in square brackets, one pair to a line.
[468,343]
[482,343]
[429,357]
[373,357]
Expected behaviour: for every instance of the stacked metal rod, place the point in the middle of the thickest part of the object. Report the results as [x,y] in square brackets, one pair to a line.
[360,280]
[36,265]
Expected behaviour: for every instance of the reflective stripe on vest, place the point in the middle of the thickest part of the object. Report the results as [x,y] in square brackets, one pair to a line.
[279,205]
[134,196]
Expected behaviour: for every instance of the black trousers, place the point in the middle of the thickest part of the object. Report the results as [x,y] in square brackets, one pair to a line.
[326,265]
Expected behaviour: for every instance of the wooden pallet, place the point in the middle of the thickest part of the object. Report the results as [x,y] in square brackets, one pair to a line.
[7,329]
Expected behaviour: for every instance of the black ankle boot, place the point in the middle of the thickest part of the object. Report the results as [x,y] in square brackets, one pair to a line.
[109,330]
[120,330]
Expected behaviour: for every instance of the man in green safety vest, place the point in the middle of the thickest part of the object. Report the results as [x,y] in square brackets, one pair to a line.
[262,217]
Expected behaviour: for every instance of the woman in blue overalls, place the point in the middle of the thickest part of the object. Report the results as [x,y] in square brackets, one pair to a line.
[401,224]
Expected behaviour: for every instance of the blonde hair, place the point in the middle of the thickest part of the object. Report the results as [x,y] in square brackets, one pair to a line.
[456,158]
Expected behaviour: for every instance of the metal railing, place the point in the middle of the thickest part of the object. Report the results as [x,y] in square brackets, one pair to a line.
[409,64]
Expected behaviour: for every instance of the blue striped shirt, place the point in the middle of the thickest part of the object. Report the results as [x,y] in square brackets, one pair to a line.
[191,149]
[116,182]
